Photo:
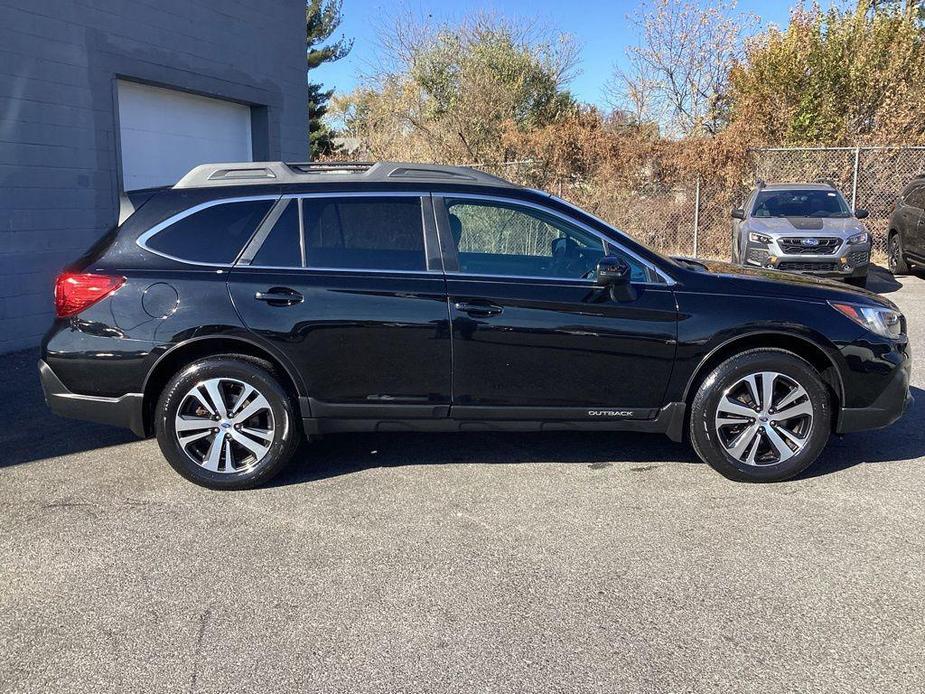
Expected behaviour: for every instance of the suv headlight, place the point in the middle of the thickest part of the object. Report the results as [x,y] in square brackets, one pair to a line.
[755,237]
[883,321]
[863,237]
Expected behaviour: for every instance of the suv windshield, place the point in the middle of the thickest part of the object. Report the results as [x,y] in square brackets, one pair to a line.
[800,203]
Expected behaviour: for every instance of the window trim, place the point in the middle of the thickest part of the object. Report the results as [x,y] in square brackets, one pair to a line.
[142,241]
[426,230]
[456,274]
[263,231]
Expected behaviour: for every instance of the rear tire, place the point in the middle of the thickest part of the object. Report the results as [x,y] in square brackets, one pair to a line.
[748,437]
[897,259]
[225,422]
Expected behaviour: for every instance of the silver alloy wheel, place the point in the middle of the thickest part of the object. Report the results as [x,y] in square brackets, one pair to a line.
[224,425]
[765,418]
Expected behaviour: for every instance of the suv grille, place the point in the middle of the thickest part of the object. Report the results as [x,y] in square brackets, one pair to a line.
[856,258]
[818,267]
[794,246]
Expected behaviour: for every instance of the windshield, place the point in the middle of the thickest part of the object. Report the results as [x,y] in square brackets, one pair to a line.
[800,203]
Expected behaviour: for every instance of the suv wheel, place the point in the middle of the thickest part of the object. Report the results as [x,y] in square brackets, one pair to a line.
[761,416]
[226,423]
[897,258]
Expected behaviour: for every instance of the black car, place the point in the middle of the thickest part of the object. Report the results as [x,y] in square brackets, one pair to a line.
[252,304]
[906,240]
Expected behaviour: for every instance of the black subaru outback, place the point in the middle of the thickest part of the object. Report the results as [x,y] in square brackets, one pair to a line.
[252,304]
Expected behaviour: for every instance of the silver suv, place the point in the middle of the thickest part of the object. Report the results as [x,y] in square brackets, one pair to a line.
[802,227]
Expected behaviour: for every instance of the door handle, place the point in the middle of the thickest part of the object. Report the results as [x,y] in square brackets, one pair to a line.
[480,310]
[280,296]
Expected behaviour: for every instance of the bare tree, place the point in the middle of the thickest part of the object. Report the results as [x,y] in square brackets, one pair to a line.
[676,75]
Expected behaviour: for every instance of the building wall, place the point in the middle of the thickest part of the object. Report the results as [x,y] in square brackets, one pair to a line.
[59,158]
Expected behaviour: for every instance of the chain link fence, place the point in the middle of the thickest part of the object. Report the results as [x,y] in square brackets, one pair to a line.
[691,217]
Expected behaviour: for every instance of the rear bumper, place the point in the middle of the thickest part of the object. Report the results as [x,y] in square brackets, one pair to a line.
[124,411]
[886,409]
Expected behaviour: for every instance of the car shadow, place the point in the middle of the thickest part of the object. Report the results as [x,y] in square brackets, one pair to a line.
[882,281]
[901,441]
[336,455]
[30,431]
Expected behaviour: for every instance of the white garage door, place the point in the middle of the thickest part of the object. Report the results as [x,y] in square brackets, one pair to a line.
[164,133]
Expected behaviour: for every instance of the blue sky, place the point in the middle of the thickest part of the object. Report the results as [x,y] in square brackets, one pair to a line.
[601,28]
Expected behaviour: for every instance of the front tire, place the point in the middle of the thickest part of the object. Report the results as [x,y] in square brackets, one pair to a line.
[761,416]
[225,422]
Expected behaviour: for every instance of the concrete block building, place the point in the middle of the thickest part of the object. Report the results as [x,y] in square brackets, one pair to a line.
[102,96]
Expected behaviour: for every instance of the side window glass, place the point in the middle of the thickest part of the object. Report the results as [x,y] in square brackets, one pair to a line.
[375,233]
[916,197]
[494,238]
[215,234]
[281,247]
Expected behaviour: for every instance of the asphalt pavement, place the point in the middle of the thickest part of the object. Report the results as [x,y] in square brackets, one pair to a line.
[552,562]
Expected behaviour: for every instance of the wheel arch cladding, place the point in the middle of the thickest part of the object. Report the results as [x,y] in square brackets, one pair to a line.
[800,346]
[186,353]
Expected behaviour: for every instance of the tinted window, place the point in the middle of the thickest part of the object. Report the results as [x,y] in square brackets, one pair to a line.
[281,247]
[498,239]
[800,203]
[377,233]
[916,197]
[215,234]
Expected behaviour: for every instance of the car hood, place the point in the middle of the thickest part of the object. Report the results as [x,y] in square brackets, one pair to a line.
[725,277]
[806,226]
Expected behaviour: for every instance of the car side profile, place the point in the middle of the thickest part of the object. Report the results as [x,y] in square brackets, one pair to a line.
[252,304]
[906,235]
[802,227]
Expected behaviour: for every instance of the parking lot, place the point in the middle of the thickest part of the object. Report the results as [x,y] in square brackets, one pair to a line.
[478,562]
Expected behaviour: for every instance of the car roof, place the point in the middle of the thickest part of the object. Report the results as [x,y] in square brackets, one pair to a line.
[278,172]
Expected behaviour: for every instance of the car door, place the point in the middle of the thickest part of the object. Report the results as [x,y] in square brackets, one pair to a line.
[912,216]
[350,288]
[533,337]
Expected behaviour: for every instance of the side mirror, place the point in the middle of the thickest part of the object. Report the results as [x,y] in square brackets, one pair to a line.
[614,274]
[861,213]
[738,213]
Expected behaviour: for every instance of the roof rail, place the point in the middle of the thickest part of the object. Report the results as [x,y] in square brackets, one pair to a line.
[278,172]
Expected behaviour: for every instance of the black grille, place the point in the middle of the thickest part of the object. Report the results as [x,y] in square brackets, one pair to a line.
[857,258]
[794,246]
[757,255]
[802,267]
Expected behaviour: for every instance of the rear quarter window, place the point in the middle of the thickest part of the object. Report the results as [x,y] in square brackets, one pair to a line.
[215,234]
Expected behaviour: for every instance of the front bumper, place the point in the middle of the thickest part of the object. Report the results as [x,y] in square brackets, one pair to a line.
[889,406]
[847,261]
[124,411]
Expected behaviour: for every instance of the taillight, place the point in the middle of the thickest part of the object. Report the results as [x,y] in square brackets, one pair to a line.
[75,291]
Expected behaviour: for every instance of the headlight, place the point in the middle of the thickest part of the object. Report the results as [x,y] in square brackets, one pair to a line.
[883,321]
[755,237]
[863,237]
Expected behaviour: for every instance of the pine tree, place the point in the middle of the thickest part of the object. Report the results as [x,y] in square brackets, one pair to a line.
[322,17]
